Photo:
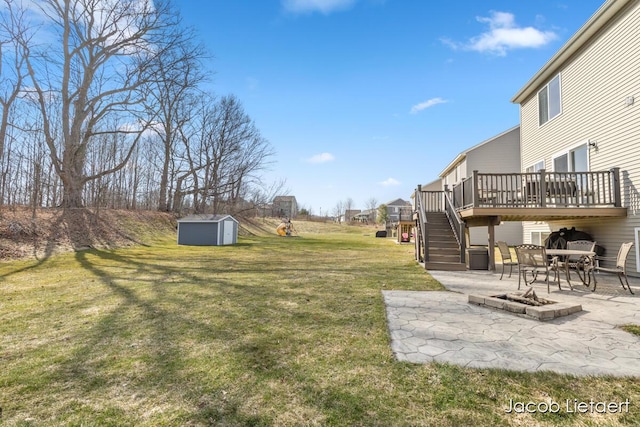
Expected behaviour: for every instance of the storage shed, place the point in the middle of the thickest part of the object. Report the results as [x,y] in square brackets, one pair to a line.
[207,230]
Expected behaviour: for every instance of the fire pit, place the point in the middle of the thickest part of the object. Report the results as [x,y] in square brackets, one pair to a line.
[528,304]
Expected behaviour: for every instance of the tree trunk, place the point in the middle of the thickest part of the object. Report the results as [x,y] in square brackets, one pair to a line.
[72,192]
[164,179]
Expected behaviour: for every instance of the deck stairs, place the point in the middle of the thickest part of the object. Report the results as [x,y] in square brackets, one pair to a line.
[444,250]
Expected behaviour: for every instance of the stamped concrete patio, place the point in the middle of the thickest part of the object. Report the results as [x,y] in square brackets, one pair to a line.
[444,327]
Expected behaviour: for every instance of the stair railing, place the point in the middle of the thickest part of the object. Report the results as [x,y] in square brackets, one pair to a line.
[423,228]
[457,225]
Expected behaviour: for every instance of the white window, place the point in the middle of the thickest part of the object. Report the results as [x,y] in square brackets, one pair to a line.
[538,237]
[576,159]
[549,101]
[536,167]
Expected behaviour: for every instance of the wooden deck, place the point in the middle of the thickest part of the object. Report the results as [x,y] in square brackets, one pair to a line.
[571,191]
[540,214]
[488,198]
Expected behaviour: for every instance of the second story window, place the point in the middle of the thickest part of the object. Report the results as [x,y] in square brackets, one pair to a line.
[549,104]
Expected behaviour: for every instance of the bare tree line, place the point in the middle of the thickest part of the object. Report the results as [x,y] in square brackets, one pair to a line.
[102,105]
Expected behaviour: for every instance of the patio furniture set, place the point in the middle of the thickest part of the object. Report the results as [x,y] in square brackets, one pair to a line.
[579,256]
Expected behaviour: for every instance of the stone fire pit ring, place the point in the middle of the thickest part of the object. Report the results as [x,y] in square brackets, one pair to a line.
[547,311]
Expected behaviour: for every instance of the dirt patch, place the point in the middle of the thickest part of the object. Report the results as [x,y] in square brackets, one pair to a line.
[26,234]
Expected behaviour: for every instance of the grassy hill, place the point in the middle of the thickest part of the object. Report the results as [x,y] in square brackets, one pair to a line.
[25,233]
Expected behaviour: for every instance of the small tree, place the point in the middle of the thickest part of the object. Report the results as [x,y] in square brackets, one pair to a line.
[383,216]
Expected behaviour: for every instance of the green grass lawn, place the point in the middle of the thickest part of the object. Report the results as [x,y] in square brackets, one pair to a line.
[272,331]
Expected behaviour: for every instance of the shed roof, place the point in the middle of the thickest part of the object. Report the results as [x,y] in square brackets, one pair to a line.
[206,218]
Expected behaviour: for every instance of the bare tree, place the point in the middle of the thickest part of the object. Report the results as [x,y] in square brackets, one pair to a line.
[13,34]
[95,71]
[261,195]
[372,207]
[178,74]
[338,210]
[224,160]
[348,207]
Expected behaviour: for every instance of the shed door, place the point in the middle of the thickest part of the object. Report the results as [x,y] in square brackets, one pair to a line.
[227,238]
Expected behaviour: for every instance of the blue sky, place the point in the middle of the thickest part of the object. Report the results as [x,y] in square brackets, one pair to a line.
[367,99]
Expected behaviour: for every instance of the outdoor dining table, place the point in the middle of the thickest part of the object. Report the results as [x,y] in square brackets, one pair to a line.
[585,256]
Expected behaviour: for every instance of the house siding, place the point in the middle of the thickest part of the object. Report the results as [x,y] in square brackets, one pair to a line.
[595,83]
[500,154]
[433,186]
[510,232]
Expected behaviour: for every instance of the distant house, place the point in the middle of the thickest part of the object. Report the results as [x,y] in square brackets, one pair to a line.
[399,216]
[580,118]
[498,154]
[350,214]
[285,206]
[207,230]
[366,216]
[399,209]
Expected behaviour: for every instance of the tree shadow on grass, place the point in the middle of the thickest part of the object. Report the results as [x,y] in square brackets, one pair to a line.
[76,229]
[193,334]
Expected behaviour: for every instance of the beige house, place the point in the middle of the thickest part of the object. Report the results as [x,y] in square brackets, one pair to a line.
[499,154]
[285,206]
[581,113]
[398,210]
[579,148]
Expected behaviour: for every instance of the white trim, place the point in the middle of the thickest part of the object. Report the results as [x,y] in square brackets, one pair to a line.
[567,150]
[539,233]
[546,86]
[636,233]
[534,164]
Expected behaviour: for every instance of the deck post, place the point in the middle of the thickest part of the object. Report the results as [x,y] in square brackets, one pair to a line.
[493,221]
[542,196]
[617,197]
[476,189]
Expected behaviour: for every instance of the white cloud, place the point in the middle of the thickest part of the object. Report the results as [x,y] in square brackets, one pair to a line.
[323,6]
[390,182]
[504,35]
[321,158]
[426,104]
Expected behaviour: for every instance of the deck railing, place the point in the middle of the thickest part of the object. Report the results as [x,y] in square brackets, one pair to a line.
[539,190]
[437,201]
[422,200]
[457,224]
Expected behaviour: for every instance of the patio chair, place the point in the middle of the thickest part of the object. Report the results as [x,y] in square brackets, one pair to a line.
[620,268]
[533,259]
[577,262]
[507,260]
